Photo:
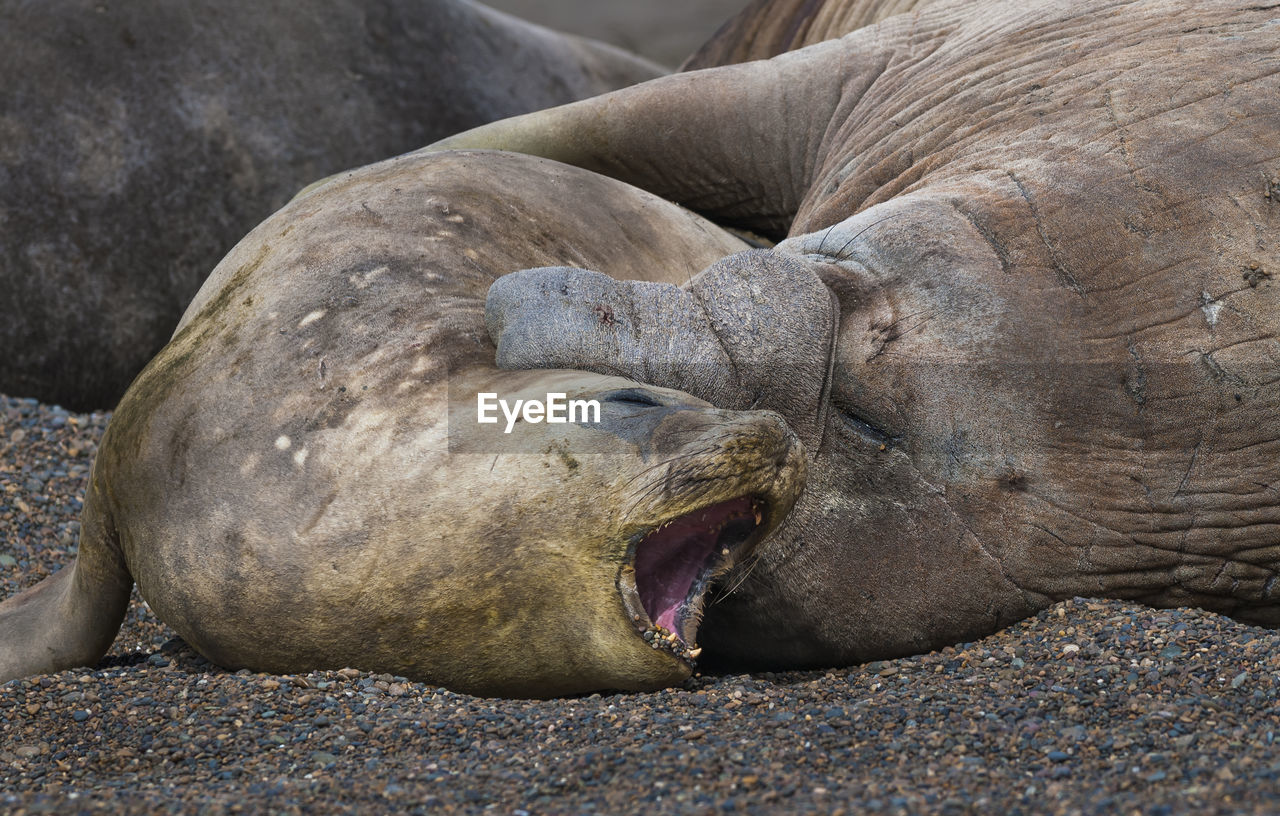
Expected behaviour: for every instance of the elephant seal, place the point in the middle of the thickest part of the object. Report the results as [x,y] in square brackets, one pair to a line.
[1049,230]
[300,480]
[139,141]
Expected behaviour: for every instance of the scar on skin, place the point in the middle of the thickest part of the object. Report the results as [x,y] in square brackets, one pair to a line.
[1210,307]
[311,318]
[283,443]
[362,281]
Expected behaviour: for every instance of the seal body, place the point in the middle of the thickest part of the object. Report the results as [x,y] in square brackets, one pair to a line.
[1048,232]
[140,141]
[298,480]
[767,28]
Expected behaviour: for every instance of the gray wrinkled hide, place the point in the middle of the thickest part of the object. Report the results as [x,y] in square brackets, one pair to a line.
[1051,231]
[139,141]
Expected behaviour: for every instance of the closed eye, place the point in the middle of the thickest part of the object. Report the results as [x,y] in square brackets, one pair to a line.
[867,429]
[635,397]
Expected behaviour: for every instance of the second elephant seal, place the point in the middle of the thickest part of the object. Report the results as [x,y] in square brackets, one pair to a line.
[298,481]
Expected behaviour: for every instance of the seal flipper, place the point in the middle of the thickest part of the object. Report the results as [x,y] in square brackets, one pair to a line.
[739,144]
[70,618]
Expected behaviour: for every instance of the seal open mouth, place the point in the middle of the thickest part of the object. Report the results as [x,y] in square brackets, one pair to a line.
[674,565]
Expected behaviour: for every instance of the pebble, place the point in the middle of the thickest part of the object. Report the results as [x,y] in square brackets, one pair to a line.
[1154,712]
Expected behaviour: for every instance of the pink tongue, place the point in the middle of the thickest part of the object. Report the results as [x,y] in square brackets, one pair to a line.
[669,560]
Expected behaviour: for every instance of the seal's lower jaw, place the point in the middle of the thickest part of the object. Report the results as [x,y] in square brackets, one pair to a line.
[674,565]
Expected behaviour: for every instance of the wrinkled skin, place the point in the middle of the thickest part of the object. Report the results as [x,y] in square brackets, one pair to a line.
[140,140]
[297,481]
[767,28]
[1049,230]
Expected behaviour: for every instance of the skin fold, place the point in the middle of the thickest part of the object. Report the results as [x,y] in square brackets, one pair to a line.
[767,28]
[1048,233]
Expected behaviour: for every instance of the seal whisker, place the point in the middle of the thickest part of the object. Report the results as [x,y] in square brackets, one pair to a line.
[673,469]
[650,468]
[839,253]
[826,233]
[740,575]
[689,484]
[669,462]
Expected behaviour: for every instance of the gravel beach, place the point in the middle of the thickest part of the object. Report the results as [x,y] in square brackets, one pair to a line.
[1091,707]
